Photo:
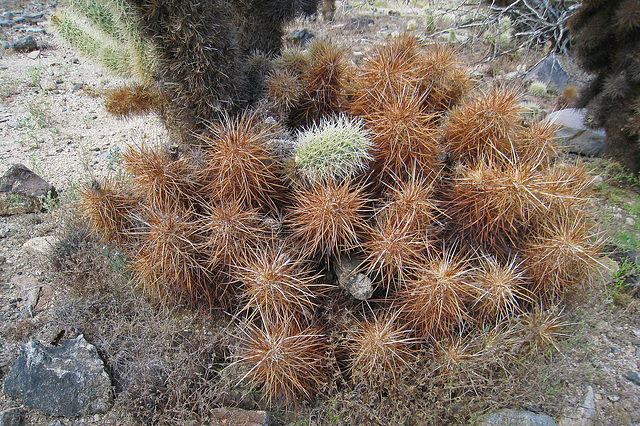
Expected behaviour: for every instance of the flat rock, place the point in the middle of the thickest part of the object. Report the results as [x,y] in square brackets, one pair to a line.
[583,415]
[48,83]
[40,246]
[549,71]
[21,191]
[509,417]
[574,136]
[12,417]
[68,380]
[24,283]
[238,417]
[34,54]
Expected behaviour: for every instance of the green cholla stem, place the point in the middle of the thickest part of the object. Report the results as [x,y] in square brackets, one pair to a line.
[107,31]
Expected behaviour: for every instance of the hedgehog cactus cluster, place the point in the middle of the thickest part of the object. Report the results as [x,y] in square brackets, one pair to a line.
[454,208]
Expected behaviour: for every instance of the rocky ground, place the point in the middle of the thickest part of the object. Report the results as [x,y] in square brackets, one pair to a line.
[53,122]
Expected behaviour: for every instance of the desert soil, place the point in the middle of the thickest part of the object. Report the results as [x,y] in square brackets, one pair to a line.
[52,121]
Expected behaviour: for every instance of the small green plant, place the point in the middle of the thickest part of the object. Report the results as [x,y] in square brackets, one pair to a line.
[334,150]
[40,115]
[33,163]
[50,202]
[35,76]
[114,158]
[538,88]
[627,270]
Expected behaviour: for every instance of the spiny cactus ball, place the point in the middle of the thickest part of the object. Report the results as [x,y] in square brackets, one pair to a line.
[334,150]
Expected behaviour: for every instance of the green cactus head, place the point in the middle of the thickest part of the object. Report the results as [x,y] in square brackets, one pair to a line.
[334,150]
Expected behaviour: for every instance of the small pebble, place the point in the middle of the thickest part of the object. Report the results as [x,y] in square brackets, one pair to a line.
[48,84]
[629,221]
[613,398]
[34,55]
[633,377]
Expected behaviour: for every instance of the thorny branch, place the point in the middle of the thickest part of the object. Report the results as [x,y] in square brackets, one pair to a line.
[539,21]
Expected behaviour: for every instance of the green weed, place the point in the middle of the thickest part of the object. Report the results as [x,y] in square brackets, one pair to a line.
[616,289]
[35,77]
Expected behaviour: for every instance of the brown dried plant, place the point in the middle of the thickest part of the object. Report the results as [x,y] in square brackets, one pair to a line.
[129,101]
[169,266]
[284,89]
[486,126]
[538,144]
[540,329]
[392,69]
[561,255]
[436,299]
[108,206]
[227,229]
[237,161]
[404,135]
[277,283]
[328,219]
[443,78]
[381,350]
[284,360]
[412,199]
[394,248]
[501,289]
[325,80]
[494,205]
[162,179]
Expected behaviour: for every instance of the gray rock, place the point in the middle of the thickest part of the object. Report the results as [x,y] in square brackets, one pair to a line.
[21,191]
[25,44]
[633,377]
[34,17]
[508,417]
[360,23]
[356,283]
[67,380]
[48,83]
[574,136]
[31,301]
[549,71]
[8,15]
[238,417]
[12,417]
[583,415]
[24,282]
[302,37]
